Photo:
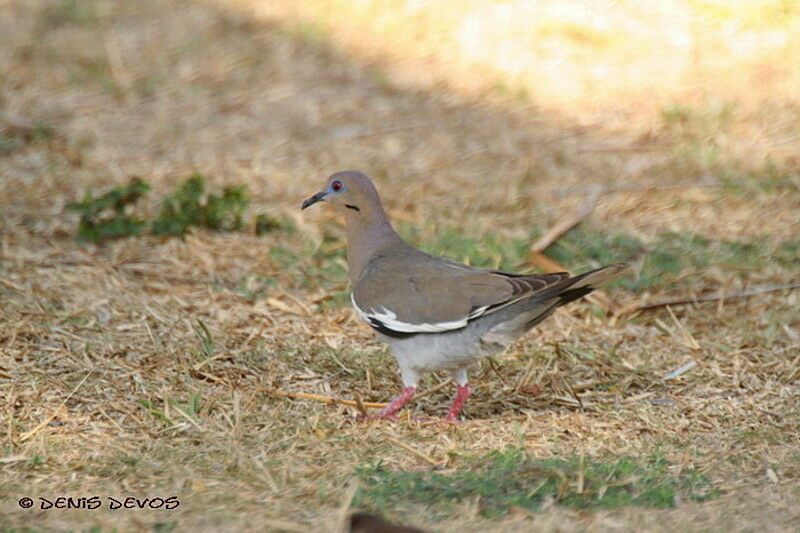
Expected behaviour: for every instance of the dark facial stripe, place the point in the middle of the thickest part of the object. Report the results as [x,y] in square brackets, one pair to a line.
[353,207]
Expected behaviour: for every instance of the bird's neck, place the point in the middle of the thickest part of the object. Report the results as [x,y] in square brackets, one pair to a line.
[367,234]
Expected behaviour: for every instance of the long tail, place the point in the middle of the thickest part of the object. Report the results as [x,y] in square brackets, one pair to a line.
[573,288]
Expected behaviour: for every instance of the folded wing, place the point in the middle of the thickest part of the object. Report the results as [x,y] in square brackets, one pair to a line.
[404,294]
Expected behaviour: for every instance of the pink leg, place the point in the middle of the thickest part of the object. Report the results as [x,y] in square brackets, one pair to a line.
[390,411]
[462,395]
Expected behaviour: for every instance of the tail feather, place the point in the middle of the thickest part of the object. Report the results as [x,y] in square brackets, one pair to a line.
[601,276]
[572,289]
[543,303]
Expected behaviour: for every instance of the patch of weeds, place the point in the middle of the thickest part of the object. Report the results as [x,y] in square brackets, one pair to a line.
[106,216]
[188,207]
[501,481]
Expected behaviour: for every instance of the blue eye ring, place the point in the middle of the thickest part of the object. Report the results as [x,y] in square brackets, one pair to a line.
[336,186]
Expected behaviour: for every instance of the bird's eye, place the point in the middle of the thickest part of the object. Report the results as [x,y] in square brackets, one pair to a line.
[336,186]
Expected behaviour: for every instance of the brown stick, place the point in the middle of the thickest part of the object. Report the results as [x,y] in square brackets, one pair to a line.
[324,399]
[427,458]
[28,434]
[567,223]
[711,297]
[537,257]
[541,261]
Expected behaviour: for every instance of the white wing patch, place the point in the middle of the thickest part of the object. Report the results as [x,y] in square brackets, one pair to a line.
[389,320]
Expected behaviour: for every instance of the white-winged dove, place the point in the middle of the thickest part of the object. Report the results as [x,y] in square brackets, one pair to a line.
[437,314]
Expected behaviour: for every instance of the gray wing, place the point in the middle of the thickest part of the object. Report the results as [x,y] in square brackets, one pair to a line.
[420,293]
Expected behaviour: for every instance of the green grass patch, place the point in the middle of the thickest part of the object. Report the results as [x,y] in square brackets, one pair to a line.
[669,255]
[191,206]
[107,216]
[483,251]
[501,481]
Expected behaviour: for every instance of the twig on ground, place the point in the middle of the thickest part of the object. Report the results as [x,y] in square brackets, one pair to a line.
[567,223]
[28,434]
[681,370]
[709,298]
[427,458]
[691,342]
[537,257]
[324,399]
[430,391]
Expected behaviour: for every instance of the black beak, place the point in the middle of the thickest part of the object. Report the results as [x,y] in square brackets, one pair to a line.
[314,199]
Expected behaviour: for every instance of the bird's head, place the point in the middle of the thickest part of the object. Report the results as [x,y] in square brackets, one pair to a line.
[350,190]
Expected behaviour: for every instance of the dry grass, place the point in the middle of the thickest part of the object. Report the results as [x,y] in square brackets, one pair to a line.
[111,387]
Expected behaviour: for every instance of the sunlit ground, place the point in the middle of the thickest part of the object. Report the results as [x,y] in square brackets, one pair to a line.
[577,56]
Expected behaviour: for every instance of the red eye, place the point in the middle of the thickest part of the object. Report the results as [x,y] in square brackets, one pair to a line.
[336,186]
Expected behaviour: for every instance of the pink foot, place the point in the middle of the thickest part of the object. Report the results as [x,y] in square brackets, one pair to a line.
[390,411]
[462,395]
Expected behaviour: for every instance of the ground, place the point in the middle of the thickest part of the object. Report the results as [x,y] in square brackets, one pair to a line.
[155,366]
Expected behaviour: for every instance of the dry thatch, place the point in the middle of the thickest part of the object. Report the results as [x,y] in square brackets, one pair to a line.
[111,386]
